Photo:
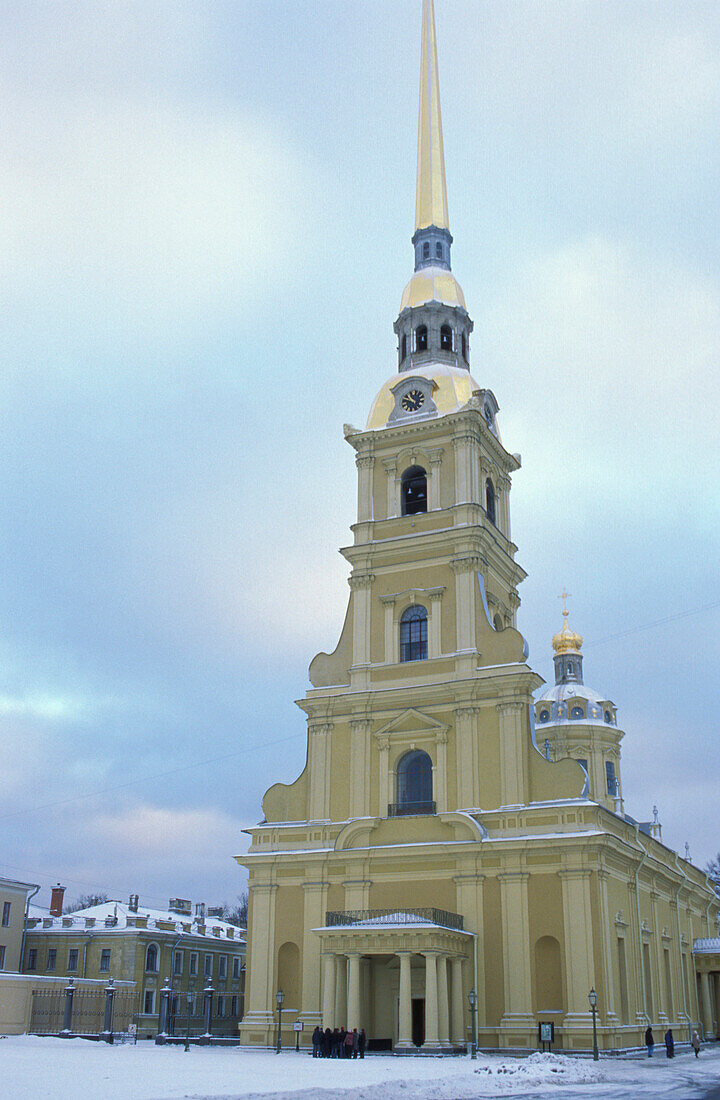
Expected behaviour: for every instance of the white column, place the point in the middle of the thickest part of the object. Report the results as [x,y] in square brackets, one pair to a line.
[443,1002]
[353,1011]
[329,983]
[392,487]
[391,639]
[432,1037]
[341,991]
[435,624]
[457,1029]
[405,1015]
[706,1003]
[365,465]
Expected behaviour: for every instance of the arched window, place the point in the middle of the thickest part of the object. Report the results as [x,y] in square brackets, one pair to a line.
[611,778]
[403,348]
[414,491]
[413,634]
[414,784]
[426,250]
[151,958]
[446,341]
[463,344]
[569,668]
[498,623]
[438,250]
[421,338]
[490,500]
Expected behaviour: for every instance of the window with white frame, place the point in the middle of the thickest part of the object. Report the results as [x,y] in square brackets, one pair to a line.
[149,1002]
[193,964]
[178,963]
[208,966]
[236,967]
[222,968]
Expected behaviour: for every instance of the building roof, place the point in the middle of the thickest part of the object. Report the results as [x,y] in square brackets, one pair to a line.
[709,946]
[116,916]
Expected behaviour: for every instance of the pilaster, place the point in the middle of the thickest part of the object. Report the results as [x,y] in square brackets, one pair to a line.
[359,752]
[513,754]
[314,905]
[361,585]
[465,569]
[365,465]
[518,1023]
[578,927]
[319,739]
[466,754]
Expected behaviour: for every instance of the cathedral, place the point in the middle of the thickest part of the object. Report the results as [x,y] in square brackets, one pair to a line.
[455,864]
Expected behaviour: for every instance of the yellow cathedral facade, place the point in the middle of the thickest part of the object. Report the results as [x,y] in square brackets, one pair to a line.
[452,838]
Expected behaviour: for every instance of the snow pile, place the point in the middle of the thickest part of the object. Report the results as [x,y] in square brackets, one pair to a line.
[541,1069]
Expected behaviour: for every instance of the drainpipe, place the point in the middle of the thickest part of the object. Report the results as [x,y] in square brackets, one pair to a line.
[684,977]
[24,931]
[477,1003]
[85,947]
[639,924]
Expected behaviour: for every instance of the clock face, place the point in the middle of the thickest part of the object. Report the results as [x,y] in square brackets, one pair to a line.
[413,400]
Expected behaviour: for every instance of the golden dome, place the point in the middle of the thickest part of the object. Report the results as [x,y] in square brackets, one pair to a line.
[433,284]
[454,387]
[567,641]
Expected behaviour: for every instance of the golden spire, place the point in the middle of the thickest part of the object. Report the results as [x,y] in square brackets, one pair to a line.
[431,199]
[567,641]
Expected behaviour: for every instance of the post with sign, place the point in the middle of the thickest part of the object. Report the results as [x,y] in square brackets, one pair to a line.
[546,1034]
[297,1028]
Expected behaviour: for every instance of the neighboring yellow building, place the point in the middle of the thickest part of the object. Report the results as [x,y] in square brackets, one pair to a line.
[147,946]
[13,906]
[429,848]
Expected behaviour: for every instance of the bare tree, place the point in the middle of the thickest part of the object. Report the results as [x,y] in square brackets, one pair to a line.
[84,901]
[237,914]
[713,872]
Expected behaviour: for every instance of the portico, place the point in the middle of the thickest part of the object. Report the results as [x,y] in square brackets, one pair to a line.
[400,975]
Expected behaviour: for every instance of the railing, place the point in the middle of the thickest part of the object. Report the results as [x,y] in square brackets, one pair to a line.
[400,809]
[394,917]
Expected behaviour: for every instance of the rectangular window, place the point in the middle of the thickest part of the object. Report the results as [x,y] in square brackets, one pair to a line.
[208,966]
[222,968]
[51,959]
[236,967]
[149,1002]
[668,986]
[72,958]
[105,958]
[220,1006]
[6,913]
[178,964]
[2,956]
[32,959]
[622,969]
[233,1006]
[610,775]
[648,981]
[193,964]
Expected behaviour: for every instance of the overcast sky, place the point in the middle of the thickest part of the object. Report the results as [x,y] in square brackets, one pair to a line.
[206,221]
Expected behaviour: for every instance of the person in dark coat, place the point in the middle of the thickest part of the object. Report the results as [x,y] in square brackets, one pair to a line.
[695,1043]
[649,1041]
[362,1042]
[669,1043]
[316,1041]
[355,1041]
[341,1042]
[327,1043]
[348,1044]
[335,1052]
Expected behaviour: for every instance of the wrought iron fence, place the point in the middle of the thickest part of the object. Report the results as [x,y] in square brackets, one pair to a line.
[400,809]
[47,1015]
[394,917]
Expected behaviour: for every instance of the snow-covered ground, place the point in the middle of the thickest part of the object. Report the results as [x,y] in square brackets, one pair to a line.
[33,1067]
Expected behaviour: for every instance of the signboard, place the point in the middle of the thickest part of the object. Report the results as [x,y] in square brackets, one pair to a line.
[298,1026]
[546,1033]
[132,1030]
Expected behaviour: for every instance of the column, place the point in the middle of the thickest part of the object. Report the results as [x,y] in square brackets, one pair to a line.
[365,465]
[706,1003]
[465,585]
[392,637]
[514,739]
[435,455]
[465,742]
[260,994]
[518,1019]
[319,770]
[329,981]
[463,445]
[578,925]
[361,584]
[314,897]
[359,736]
[609,1009]
[392,486]
[443,1002]
[470,904]
[435,623]
[341,991]
[457,1026]
[716,985]
[405,1015]
[440,773]
[432,1037]
[384,776]
[353,1012]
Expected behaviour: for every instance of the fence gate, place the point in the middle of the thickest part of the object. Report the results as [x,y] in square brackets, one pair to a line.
[48,1006]
[88,1011]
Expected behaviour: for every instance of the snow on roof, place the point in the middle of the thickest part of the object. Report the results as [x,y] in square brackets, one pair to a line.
[707,946]
[117,915]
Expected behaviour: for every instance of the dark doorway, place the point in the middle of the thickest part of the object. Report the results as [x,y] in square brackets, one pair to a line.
[418,1021]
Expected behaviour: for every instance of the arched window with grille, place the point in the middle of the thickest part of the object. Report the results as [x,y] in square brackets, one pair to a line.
[151,958]
[490,501]
[426,250]
[403,348]
[414,784]
[414,634]
[463,345]
[446,338]
[414,491]
[421,338]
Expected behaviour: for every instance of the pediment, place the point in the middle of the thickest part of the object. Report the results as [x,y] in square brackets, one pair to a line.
[412,723]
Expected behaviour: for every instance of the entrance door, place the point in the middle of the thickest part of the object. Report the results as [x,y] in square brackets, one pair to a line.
[418,1021]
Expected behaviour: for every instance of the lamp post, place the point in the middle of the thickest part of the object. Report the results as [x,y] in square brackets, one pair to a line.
[472,998]
[189,998]
[279,997]
[592,997]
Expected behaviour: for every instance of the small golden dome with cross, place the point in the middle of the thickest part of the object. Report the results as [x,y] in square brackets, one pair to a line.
[567,641]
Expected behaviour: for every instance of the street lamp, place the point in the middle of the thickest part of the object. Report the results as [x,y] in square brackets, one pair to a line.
[472,998]
[592,997]
[279,997]
[187,1030]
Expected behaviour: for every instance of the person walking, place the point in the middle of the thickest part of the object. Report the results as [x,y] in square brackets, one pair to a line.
[669,1043]
[695,1043]
[649,1042]
[362,1042]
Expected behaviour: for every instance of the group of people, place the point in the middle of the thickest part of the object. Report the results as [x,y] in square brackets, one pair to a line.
[669,1043]
[339,1043]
